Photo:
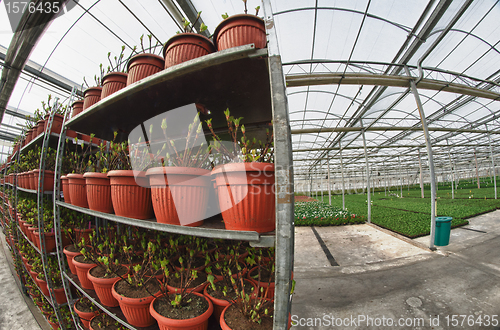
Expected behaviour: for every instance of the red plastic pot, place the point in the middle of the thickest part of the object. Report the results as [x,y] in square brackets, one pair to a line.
[186,46]
[42,285]
[136,310]
[81,271]
[31,180]
[48,180]
[65,188]
[130,198]
[50,241]
[91,96]
[113,82]
[77,108]
[77,190]
[60,296]
[246,196]
[262,284]
[40,127]
[143,65]
[69,256]
[239,30]
[221,304]
[180,194]
[199,322]
[102,287]
[98,192]
[85,317]
[56,123]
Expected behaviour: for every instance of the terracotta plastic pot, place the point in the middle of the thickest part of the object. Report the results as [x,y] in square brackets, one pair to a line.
[143,65]
[56,123]
[261,284]
[180,194]
[29,136]
[91,96]
[81,271]
[31,180]
[220,304]
[186,46]
[77,190]
[239,30]
[50,241]
[69,256]
[136,310]
[40,127]
[98,192]
[65,188]
[48,180]
[246,196]
[130,198]
[102,287]
[113,82]
[54,326]
[42,285]
[60,296]
[199,322]
[84,234]
[85,317]
[77,108]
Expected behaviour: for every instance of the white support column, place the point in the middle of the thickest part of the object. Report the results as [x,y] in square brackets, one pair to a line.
[492,164]
[329,184]
[452,172]
[477,170]
[400,176]
[367,175]
[421,175]
[342,174]
[431,159]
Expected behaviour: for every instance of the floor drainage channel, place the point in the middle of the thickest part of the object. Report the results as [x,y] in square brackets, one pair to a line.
[327,252]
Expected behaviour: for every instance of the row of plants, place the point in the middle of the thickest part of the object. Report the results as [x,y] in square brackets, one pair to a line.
[172,277]
[410,215]
[124,70]
[132,180]
[315,213]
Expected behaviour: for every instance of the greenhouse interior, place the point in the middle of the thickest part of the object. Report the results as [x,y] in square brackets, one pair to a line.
[342,157]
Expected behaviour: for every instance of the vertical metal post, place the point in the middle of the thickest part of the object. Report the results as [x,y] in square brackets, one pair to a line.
[342,175]
[492,164]
[452,172]
[329,187]
[431,159]
[477,170]
[321,187]
[283,177]
[408,177]
[385,179]
[421,175]
[400,176]
[367,175]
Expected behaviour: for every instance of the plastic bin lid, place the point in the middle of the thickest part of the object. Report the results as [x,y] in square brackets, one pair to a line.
[444,219]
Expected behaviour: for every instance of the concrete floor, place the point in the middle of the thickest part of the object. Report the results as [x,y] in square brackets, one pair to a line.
[15,313]
[382,280]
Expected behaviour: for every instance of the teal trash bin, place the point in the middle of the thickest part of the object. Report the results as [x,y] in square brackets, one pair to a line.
[443,228]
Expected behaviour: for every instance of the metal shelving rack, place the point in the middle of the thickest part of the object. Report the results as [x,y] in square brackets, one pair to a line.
[44,140]
[210,80]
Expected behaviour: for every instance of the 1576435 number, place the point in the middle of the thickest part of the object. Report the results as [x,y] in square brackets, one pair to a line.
[15,7]
[472,320]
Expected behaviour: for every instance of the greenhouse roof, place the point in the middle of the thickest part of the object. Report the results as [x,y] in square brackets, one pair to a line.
[349,66]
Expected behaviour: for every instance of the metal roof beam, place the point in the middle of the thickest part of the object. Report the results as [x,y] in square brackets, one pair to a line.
[389,128]
[386,80]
